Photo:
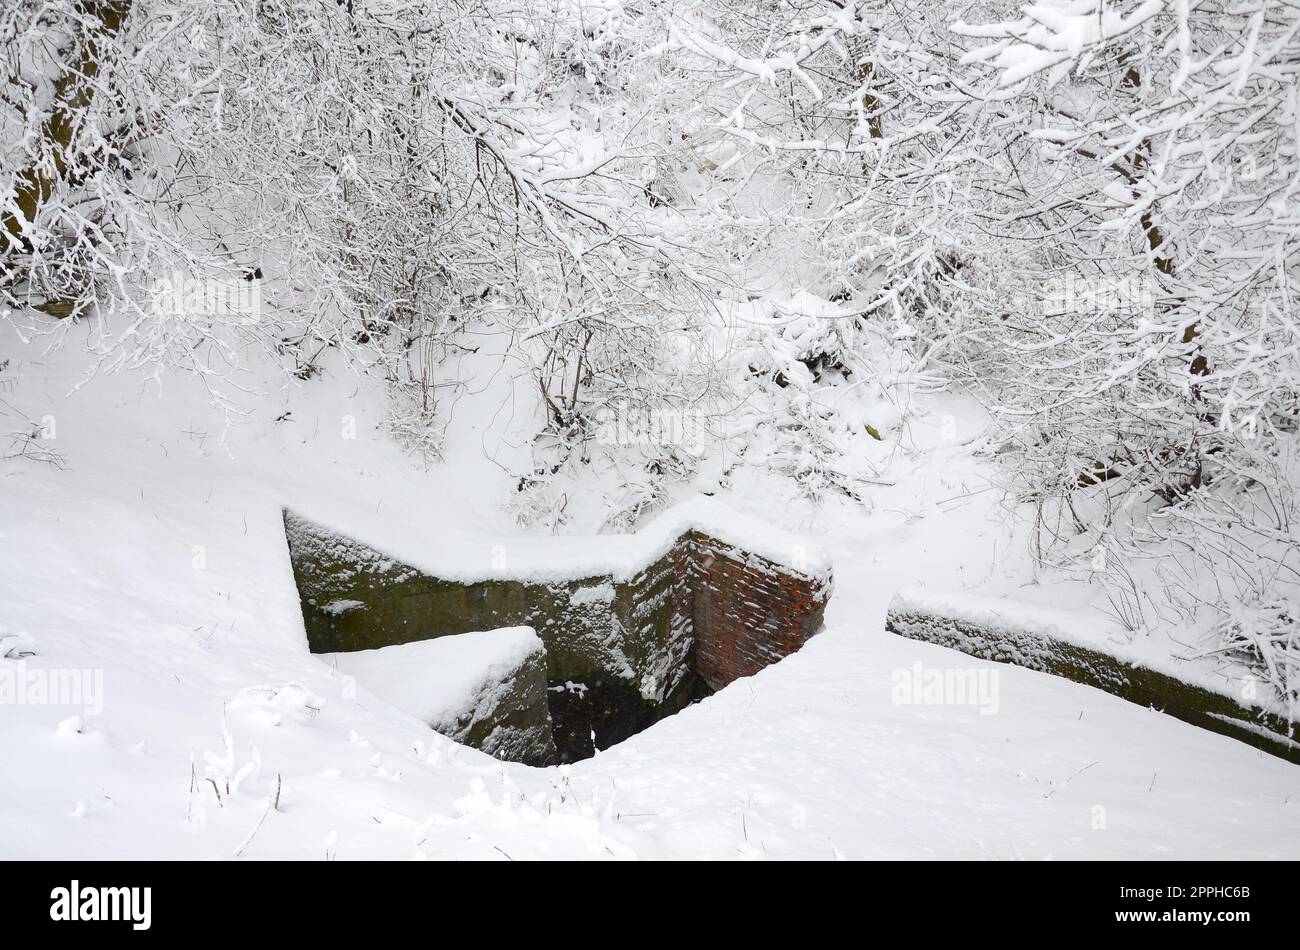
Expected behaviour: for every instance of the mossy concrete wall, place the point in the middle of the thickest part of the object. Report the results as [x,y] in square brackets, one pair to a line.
[1138,684]
[510,720]
[356,598]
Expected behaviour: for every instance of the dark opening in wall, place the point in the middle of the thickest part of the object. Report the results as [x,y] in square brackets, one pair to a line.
[586,717]
[621,652]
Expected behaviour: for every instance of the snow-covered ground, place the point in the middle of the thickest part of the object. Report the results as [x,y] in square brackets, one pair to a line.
[154,560]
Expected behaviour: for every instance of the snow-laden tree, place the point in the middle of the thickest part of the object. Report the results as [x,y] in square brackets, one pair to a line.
[1158,394]
[379,174]
[1084,213]
[854,159]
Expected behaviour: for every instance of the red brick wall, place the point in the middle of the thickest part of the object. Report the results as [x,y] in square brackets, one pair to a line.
[748,612]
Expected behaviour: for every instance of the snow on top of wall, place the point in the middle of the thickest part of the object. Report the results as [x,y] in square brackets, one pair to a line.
[1076,628]
[457,555]
[437,680]
[997,613]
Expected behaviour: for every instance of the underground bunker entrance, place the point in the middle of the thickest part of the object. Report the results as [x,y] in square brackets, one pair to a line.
[603,711]
[691,609]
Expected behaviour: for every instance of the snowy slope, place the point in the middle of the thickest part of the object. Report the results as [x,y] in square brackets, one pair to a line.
[156,555]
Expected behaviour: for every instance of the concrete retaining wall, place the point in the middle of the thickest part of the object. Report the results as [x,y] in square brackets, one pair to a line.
[1048,652]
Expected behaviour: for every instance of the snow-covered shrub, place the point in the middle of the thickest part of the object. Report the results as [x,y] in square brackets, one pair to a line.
[820,408]
[861,166]
[1266,635]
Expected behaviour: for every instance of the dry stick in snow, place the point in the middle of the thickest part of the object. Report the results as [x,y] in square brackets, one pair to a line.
[272,801]
[1057,788]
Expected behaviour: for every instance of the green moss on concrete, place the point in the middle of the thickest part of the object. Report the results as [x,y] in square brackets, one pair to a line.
[355,598]
[510,719]
[1137,684]
[653,614]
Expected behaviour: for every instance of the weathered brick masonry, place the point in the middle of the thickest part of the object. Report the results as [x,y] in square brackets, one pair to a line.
[747,612]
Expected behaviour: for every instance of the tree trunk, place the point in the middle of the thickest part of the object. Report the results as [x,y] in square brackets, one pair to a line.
[73,91]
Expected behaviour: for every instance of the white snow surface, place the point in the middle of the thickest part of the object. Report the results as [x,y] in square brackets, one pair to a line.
[156,557]
[436,680]
[466,557]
